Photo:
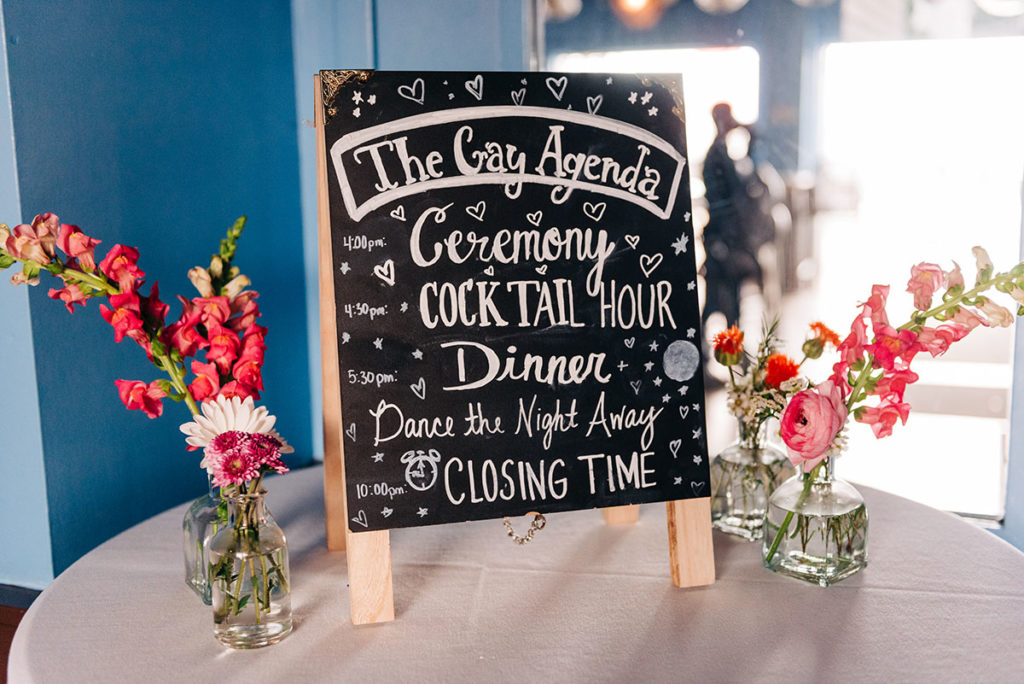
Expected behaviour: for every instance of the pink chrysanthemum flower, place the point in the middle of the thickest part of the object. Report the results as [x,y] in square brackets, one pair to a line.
[232,459]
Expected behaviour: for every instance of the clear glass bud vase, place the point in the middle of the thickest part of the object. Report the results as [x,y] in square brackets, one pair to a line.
[202,520]
[249,576]
[816,528]
[743,476]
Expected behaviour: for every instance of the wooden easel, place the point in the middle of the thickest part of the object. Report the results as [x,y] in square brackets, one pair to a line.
[371,594]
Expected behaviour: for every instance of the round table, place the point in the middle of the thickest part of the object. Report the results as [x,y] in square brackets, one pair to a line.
[941,600]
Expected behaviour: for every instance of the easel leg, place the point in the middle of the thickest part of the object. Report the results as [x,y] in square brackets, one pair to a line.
[371,595]
[621,515]
[690,549]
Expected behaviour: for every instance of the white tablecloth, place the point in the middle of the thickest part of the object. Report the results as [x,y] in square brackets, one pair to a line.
[940,601]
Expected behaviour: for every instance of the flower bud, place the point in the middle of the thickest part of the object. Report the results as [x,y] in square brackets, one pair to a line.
[813,348]
[728,346]
[216,266]
[200,277]
[235,286]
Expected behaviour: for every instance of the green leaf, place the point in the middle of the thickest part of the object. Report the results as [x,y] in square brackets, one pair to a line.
[166,386]
[30,269]
[159,348]
[6,261]
[241,603]
[1018,270]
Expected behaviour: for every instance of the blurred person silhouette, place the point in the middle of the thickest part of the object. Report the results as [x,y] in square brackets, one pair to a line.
[739,223]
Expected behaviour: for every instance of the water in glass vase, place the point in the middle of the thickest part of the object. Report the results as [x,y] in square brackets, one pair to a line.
[249,577]
[816,528]
[743,476]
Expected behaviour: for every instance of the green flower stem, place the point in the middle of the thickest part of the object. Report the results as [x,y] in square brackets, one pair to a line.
[808,481]
[93,281]
[178,381]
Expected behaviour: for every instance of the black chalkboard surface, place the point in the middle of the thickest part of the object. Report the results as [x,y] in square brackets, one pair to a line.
[517,314]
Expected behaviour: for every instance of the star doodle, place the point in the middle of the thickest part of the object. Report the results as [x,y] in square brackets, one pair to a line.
[690,333]
[680,244]
[697,459]
[609,80]
[657,381]
[345,268]
[422,512]
[379,343]
[444,82]
[697,433]
[345,337]
[691,286]
[357,97]
[632,98]
[686,216]
[646,98]
[684,389]
[356,113]
[378,457]
[665,398]
[653,111]
[404,307]
[418,355]
[677,481]
[653,346]
[696,407]
[648,366]
[623,365]
[372,100]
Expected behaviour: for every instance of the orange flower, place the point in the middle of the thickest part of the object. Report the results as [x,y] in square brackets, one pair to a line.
[779,368]
[820,336]
[728,346]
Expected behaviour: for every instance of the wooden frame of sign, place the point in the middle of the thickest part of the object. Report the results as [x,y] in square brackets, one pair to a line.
[681,469]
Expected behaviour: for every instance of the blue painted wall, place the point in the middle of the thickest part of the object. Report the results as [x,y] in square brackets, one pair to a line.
[24,516]
[152,124]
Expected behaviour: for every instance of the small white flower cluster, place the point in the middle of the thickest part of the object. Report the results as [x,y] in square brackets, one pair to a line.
[838,445]
[752,407]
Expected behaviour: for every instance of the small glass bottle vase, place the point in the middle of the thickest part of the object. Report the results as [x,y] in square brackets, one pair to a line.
[743,476]
[202,520]
[249,576]
[816,528]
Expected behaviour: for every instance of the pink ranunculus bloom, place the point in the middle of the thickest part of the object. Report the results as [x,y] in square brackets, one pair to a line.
[810,421]
[925,279]
[894,384]
[121,265]
[124,316]
[70,294]
[936,340]
[212,310]
[207,382]
[883,417]
[237,389]
[78,245]
[138,395]
[891,344]
[996,314]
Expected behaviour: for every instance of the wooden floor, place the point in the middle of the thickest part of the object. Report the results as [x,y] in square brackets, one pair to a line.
[9,619]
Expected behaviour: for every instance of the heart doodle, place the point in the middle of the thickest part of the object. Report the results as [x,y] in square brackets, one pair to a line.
[386,512]
[633,240]
[629,342]
[697,487]
[360,519]
[489,270]
[398,213]
[542,270]
[419,388]
[594,103]
[477,210]
[351,432]
[684,411]
[557,86]
[594,211]
[535,217]
[518,96]
[649,262]
[674,445]
[635,384]
[386,272]
[413,92]
[476,87]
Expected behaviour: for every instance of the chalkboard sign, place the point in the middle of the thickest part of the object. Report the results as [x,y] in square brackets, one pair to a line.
[515,288]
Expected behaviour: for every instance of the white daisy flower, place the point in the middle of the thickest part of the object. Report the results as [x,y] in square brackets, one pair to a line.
[224,415]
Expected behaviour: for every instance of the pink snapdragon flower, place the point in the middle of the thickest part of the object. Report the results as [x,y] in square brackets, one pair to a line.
[207,382]
[996,314]
[70,294]
[125,316]
[894,384]
[891,344]
[810,422]
[883,417]
[936,340]
[138,395]
[121,264]
[33,243]
[77,245]
[925,279]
